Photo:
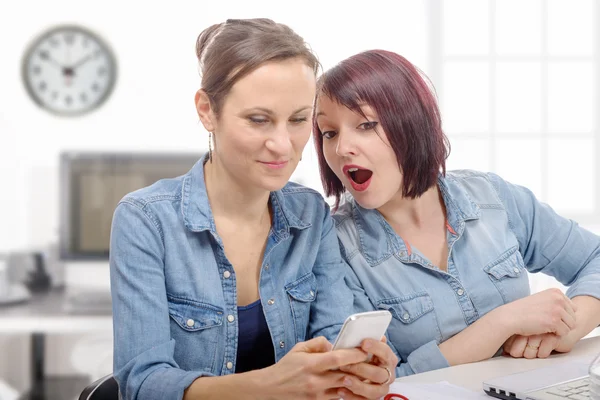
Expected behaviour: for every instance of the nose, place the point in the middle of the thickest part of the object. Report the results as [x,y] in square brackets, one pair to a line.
[279,142]
[345,145]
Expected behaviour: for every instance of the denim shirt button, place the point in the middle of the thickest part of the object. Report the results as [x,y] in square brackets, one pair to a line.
[226,274]
[229,365]
[460,292]
[282,344]
[406,316]
[271,302]
[230,318]
[312,294]
[266,266]
[516,270]
[190,322]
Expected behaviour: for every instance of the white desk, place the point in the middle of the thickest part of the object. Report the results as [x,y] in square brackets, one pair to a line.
[471,376]
[45,314]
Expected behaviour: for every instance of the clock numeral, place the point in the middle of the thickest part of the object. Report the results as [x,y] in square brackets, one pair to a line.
[36,69]
[101,71]
[69,38]
[42,86]
[97,53]
[68,100]
[44,54]
[95,87]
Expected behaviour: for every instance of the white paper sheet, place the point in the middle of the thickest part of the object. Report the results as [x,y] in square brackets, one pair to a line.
[435,391]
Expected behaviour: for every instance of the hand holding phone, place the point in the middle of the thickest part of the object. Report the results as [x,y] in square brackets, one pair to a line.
[361,326]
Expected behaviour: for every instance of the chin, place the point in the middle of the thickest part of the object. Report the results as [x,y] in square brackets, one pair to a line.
[272,184]
[366,201]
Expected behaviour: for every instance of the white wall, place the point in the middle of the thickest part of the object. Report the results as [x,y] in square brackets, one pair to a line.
[151,107]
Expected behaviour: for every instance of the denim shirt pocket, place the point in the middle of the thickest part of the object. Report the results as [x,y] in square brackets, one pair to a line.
[414,321]
[509,275]
[195,329]
[301,293]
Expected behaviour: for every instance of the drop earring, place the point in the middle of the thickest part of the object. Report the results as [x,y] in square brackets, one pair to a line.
[210,146]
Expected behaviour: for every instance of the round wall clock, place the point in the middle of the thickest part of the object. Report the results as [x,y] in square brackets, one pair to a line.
[68,70]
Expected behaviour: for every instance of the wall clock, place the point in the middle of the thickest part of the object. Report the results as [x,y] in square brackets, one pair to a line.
[69,70]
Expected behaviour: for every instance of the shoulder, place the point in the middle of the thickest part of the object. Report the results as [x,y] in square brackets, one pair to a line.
[164,190]
[481,187]
[301,199]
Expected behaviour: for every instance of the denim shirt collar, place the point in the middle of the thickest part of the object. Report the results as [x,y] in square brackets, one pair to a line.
[197,213]
[379,241]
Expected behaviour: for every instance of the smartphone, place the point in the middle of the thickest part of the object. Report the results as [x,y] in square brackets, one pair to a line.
[361,326]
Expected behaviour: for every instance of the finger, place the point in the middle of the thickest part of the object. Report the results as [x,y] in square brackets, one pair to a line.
[561,329]
[317,345]
[568,317]
[368,390]
[549,343]
[380,350]
[518,346]
[532,346]
[508,344]
[373,373]
[343,393]
[336,358]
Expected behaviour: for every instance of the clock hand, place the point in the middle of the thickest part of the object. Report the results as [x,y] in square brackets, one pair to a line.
[82,61]
[44,55]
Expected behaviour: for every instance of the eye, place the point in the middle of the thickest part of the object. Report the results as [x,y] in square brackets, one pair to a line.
[258,120]
[328,134]
[298,120]
[367,126]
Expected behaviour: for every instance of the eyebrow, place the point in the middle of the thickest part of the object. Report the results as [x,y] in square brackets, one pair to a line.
[320,113]
[270,112]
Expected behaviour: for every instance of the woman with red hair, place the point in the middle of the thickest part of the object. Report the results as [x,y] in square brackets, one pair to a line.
[447,253]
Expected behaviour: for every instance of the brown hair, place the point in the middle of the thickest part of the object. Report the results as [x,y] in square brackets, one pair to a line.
[232,49]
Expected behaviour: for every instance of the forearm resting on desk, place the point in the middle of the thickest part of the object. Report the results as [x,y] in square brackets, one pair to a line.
[245,385]
[479,341]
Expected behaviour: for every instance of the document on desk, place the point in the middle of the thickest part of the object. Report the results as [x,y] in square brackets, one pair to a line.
[434,391]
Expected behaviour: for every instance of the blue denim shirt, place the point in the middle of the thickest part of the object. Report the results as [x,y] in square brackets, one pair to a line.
[174,291]
[497,232]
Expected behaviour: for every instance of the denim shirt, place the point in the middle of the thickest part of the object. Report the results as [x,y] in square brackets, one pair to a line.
[496,232]
[174,291]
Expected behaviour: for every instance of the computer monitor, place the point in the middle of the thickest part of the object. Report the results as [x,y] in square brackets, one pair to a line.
[91,185]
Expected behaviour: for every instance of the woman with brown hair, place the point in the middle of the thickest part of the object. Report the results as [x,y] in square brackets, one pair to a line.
[219,276]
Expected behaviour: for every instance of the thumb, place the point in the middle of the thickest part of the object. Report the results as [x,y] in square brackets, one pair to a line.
[316,345]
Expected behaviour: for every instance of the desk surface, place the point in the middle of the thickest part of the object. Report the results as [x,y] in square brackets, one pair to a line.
[45,313]
[471,376]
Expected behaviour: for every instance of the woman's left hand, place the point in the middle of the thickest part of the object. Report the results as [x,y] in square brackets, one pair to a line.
[539,346]
[371,380]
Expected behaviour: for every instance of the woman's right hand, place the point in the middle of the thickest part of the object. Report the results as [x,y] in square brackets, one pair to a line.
[549,311]
[309,371]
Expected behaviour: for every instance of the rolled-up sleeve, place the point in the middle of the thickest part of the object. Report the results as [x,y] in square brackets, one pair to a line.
[144,366]
[549,243]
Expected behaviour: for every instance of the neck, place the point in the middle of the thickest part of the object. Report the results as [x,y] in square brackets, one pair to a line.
[231,199]
[418,212]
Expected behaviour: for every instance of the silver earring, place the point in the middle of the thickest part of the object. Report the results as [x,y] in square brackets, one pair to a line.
[210,146]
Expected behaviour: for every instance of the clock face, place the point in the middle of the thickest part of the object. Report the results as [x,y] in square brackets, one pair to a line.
[69,70]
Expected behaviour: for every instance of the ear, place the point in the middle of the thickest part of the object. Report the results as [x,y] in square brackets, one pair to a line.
[205,111]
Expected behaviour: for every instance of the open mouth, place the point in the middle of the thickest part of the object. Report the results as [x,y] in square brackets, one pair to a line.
[360,178]
[359,175]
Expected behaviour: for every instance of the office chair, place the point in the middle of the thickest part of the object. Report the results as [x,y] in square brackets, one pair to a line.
[105,388]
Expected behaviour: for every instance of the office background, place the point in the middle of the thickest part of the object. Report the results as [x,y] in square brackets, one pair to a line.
[517,81]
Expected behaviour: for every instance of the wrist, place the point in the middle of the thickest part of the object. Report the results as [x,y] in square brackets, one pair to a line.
[505,321]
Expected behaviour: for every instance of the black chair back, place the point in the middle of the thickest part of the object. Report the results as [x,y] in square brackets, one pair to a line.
[105,388]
